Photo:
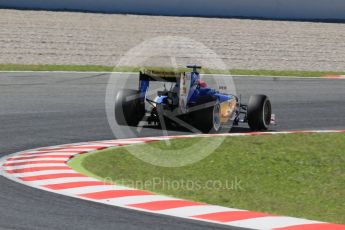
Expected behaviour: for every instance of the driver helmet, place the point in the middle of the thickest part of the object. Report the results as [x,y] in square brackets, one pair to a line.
[202,84]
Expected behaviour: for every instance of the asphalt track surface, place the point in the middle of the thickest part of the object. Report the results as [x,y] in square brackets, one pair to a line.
[44,109]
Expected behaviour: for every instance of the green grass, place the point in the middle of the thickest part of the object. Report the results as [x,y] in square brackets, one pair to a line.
[301,175]
[99,68]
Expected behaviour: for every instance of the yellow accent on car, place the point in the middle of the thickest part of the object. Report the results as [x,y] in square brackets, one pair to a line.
[227,110]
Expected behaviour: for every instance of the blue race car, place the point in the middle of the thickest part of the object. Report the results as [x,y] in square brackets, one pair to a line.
[189,103]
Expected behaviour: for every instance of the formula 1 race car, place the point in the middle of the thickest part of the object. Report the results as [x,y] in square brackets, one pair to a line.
[189,102]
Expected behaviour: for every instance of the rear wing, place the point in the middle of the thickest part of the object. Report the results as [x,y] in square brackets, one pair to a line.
[182,80]
[151,75]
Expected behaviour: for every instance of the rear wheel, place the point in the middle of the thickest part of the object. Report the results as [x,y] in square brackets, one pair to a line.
[129,110]
[259,112]
[208,119]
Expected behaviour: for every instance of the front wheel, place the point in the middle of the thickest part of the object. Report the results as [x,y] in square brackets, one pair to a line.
[259,112]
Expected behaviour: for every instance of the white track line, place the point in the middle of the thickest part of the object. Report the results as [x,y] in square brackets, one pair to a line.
[28,166]
[197,210]
[91,189]
[271,222]
[232,75]
[33,155]
[38,159]
[138,199]
[41,173]
[61,180]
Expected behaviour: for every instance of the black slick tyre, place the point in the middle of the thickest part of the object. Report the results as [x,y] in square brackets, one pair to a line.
[208,119]
[129,110]
[259,112]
